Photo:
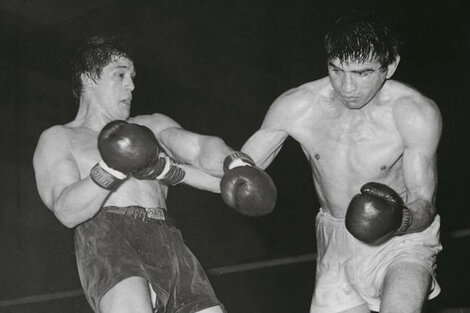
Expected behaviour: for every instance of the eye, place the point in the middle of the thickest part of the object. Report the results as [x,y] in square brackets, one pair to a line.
[120,75]
[365,73]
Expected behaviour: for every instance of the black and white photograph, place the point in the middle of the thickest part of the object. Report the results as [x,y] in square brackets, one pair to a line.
[257,156]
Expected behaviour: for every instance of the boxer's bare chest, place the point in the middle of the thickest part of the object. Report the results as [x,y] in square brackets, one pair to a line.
[84,149]
[358,145]
[349,150]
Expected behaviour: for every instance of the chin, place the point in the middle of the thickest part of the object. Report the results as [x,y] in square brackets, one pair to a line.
[354,106]
[125,112]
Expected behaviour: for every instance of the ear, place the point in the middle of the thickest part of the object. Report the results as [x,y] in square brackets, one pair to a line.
[87,80]
[391,68]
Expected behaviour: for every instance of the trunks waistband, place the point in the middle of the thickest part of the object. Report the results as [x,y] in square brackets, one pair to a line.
[149,215]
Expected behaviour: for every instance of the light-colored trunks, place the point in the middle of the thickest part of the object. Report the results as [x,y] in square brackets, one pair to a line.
[350,273]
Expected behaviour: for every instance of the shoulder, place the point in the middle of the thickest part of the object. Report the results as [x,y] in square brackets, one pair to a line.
[52,143]
[54,135]
[414,113]
[298,101]
[157,122]
[303,94]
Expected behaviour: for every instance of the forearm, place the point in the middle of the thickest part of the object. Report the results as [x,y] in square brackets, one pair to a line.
[171,172]
[423,213]
[200,180]
[212,152]
[79,202]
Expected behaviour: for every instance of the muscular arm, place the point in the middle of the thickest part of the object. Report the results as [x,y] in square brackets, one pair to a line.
[419,123]
[203,152]
[71,199]
[265,144]
[200,180]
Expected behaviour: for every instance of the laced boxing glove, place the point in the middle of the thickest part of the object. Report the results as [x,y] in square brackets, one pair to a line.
[126,149]
[246,188]
[377,214]
[162,168]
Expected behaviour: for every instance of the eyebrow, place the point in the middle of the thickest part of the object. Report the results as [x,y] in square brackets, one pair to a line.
[331,64]
[126,67]
[121,66]
[367,69]
[364,70]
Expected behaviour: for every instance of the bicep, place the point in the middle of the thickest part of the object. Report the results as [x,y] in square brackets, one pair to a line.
[420,174]
[421,131]
[165,129]
[54,169]
[264,145]
[180,143]
[202,151]
[188,147]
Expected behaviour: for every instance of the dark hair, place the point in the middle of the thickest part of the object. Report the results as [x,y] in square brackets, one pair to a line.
[92,56]
[358,36]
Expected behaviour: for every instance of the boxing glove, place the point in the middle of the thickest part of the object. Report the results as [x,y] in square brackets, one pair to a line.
[132,149]
[377,214]
[124,148]
[246,188]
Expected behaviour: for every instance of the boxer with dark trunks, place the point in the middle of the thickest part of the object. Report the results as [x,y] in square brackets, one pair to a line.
[107,176]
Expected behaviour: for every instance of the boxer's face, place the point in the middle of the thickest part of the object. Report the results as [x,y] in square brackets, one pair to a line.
[113,90]
[356,83]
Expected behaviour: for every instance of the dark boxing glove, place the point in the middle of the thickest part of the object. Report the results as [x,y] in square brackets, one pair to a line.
[377,214]
[130,149]
[246,188]
[124,149]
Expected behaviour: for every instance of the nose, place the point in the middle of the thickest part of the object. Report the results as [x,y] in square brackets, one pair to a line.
[130,84]
[349,85]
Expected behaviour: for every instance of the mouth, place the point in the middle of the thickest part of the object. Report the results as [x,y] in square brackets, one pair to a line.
[350,99]
[126,101]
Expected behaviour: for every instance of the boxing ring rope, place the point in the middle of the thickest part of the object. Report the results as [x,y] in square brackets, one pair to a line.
[457,234]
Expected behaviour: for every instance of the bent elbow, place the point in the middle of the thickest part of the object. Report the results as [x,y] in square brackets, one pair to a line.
[65,219]
[69,225]
[67,222]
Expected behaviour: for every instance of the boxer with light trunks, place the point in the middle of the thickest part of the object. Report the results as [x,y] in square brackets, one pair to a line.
[371,143]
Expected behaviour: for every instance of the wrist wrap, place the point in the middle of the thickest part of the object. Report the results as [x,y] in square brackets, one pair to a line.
[172,173]
[106,177]
[406,221]
[236,159]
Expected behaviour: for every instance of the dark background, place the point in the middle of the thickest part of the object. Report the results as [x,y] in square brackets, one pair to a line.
[215,67]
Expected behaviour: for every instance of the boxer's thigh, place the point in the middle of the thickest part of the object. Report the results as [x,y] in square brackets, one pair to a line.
[129,295]
[363,308]
[405,288]
[214,309]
